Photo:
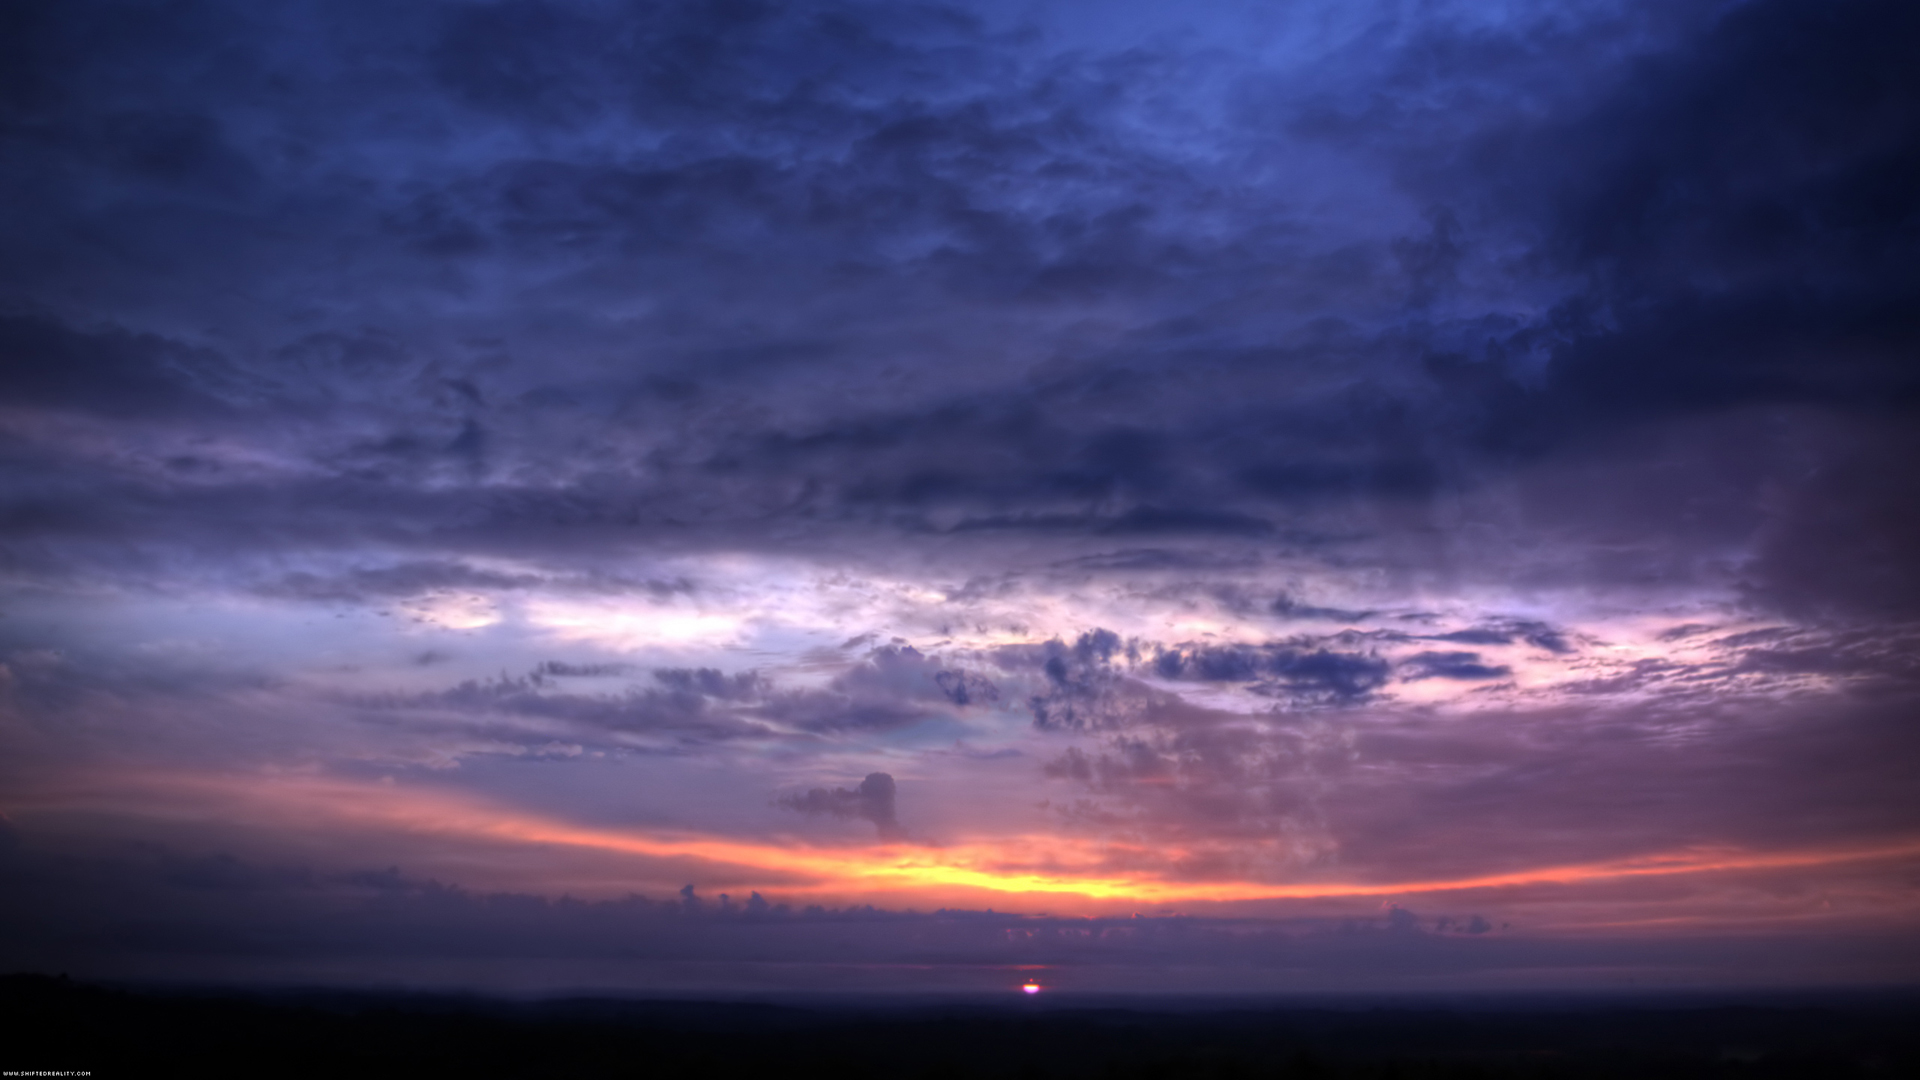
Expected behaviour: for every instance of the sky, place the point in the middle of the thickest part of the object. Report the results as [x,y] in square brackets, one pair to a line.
[739,497]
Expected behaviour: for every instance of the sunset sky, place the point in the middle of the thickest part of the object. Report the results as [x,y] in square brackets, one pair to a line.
[734,497]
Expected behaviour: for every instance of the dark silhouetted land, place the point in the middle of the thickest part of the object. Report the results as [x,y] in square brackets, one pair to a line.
[56,1024]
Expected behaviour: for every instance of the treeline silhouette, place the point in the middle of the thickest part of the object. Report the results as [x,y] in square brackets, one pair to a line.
[52,1023]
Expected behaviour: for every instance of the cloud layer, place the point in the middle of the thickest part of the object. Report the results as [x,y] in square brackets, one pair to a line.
[1234,448]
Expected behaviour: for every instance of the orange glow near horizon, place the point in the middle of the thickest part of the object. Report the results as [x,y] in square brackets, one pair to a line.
[1039,866]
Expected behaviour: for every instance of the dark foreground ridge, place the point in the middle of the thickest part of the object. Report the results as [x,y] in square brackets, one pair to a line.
[55,1024]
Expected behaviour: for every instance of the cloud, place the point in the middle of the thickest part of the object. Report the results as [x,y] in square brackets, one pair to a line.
[872,801]
[1082,689]
[115,917]
[1482,443]
[689,707]
[1089,685]
[1451,665]
[1278,669]
[373,584]
[1447,378]
[1506,632]
[741,686]
[46,364]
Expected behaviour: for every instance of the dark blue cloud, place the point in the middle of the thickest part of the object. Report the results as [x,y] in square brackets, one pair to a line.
[1506,632]
[1298,669]
[1451,665]
[1682,234]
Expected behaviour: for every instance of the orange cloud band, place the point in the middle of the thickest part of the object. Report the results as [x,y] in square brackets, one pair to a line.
[1027,865]
[978,866]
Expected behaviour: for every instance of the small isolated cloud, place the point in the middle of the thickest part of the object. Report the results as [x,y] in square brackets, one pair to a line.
[872,801]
